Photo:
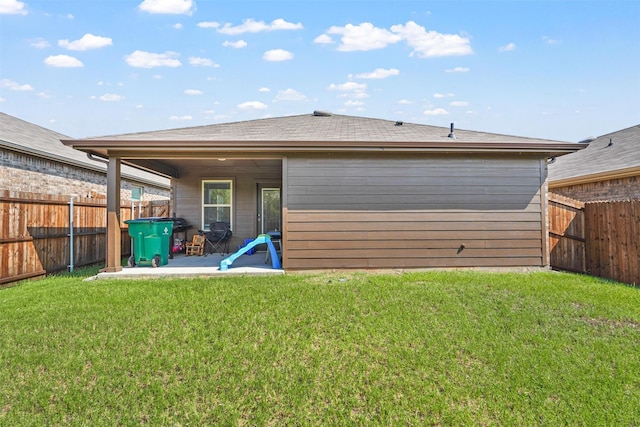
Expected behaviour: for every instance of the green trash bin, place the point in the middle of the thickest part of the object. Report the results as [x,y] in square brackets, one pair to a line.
[150,241]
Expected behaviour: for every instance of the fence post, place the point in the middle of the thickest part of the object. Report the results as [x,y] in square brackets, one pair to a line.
[71,234]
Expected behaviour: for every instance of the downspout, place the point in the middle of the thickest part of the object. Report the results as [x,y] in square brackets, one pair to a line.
[97,159]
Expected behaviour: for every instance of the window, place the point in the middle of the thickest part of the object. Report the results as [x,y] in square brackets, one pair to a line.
[217,197]
[136,193]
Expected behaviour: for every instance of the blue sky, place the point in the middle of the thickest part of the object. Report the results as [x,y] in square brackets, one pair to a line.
[563,70]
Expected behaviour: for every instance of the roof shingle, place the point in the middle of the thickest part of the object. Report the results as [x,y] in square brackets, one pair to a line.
[614,151]
[311,127]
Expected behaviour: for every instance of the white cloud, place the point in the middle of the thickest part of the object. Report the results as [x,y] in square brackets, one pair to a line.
[323,39]
[193,92]
[379,73]
[208,24]
[405,102]
[2,99]
[10,84]
[141,59]
[436,112]
[457,70]
[281,24]
[181,118]
[88,41]
[549,40]
[443,95]
[459,104]
[363,37]
[177,26]
[253,26]
[507,48]
[12,7]
[349,87]
[252,105]
[63,61]
[202,62]
[277,55]
[236,45]
[264,89]
[39,43]
[289,95]
[110,97]
[427,44]
[351,103]
[171,7]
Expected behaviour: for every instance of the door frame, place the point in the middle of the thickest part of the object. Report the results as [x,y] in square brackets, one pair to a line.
[260,187]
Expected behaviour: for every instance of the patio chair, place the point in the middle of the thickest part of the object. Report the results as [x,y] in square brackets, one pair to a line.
[196,245]
[218,237]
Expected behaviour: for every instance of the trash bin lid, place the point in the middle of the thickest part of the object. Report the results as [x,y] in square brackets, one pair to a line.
[150,219]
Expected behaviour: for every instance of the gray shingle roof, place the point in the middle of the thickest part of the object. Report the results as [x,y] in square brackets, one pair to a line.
[608,153]
[311,127]
[19,135]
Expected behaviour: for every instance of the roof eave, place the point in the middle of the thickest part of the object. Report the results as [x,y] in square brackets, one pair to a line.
[179,148]
[86,166]
[596,177]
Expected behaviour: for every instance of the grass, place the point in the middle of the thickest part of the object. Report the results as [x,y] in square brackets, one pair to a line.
[435,348]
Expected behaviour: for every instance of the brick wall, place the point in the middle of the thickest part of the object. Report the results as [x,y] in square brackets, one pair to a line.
[610,190]
[22,172]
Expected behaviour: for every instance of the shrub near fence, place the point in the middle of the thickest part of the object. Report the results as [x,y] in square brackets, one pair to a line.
[35,232]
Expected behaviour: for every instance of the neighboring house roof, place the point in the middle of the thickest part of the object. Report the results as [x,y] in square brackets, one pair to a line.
[317,132]
[28,138]
[610,156]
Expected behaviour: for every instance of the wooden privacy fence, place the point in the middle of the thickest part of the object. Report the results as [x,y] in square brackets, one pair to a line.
[567,234]
[598,238]
[36,231]
[613,240]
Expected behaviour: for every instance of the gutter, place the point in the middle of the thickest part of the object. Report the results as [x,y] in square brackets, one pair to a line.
[185,148]
[595,177]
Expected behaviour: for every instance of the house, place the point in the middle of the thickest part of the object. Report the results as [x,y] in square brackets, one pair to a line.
[34,160]
[608,169]
[351,192]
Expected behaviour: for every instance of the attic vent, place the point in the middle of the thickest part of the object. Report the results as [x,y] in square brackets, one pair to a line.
[399,123]
[452,135]
[320,113]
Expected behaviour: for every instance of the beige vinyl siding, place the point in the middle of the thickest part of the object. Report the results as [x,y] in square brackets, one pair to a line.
[413,212]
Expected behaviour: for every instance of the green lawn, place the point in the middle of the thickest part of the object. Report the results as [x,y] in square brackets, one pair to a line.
[434,348]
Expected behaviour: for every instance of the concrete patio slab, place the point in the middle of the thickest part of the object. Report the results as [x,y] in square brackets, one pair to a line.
[196,266]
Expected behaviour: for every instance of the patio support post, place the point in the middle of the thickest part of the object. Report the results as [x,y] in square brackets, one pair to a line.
[114,233]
